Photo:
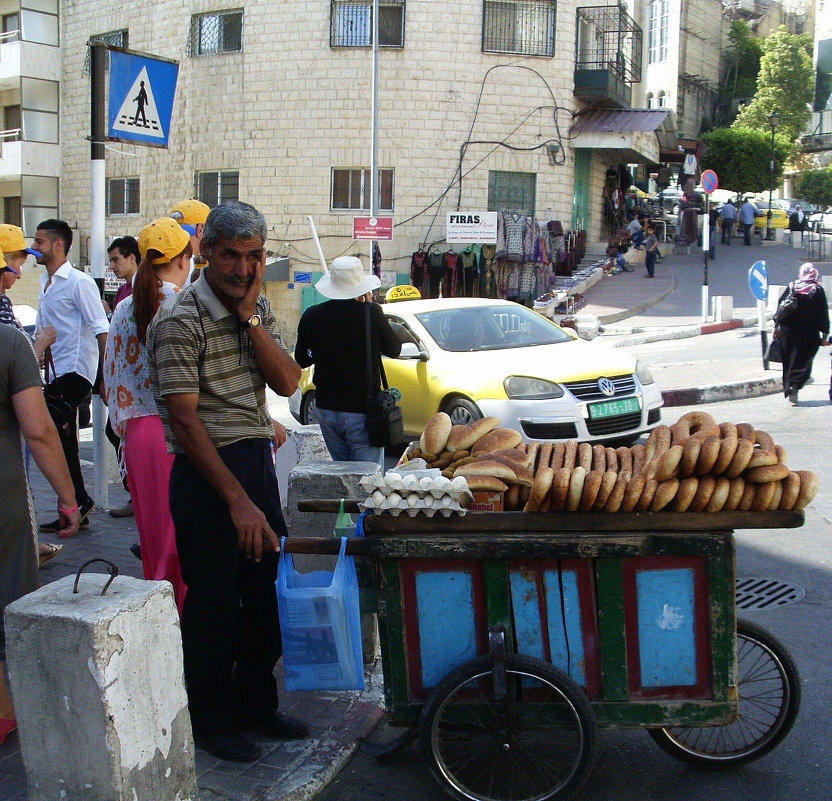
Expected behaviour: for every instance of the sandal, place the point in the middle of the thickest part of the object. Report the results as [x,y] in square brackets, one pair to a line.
[49,551]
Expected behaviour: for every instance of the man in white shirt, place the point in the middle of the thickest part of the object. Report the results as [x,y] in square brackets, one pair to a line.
[70,302]
[636,231]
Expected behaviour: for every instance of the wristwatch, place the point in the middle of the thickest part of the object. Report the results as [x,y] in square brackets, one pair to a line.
[252,321]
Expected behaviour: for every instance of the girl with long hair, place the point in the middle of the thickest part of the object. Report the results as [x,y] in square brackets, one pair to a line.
[166,253]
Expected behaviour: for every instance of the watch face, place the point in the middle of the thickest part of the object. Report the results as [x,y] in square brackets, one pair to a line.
[254,320]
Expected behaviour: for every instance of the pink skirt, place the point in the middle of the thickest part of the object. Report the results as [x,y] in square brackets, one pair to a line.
[148,475]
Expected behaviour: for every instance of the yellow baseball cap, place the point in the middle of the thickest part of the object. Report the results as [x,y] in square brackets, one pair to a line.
[4,266]
[12,239]
[164,235]
[193,212]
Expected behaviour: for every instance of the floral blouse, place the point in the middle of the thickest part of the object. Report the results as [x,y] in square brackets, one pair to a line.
[126,376]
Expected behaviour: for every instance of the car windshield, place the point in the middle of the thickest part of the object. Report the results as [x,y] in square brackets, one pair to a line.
[496,327]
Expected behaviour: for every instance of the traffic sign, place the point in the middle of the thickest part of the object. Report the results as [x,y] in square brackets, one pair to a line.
[372,228]
[141,97]
[758,280]
[710,182]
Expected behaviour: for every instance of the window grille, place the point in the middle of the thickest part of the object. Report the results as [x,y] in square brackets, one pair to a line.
[351,189]
[218,32]
[123,196]
[214,188]
[112,38]
[609,39]
[519,26]
[351,23]
[512,191]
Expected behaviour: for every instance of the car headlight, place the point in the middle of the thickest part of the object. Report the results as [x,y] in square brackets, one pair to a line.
[643,374]
[521,387]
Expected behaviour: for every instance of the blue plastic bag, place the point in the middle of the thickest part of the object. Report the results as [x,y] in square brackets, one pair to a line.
[320,625]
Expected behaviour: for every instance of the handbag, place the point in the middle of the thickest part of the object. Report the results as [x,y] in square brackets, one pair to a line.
[774,352]
[63,413]
[320,625]
[787,307]
[384,415]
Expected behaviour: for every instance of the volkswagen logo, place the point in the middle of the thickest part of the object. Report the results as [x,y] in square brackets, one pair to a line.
[606,386]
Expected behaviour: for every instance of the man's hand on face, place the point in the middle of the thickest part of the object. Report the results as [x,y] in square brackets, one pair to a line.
[254,535]
[247,305]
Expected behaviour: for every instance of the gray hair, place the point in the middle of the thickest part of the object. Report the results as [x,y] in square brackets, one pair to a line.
[234,220]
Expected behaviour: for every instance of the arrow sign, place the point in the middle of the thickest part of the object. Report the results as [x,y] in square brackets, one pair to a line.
[141,98]
[758,280]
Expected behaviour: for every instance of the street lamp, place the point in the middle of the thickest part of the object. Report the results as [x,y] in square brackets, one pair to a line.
[773,121]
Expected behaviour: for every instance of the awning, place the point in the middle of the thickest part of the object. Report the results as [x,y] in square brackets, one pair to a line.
[639,134]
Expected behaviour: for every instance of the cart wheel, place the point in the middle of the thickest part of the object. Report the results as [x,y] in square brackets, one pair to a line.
[538,742]
[769,692]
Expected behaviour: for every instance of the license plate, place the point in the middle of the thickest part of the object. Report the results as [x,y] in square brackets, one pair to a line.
[613,407]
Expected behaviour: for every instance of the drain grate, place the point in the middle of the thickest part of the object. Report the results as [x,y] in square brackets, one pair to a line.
[762,593]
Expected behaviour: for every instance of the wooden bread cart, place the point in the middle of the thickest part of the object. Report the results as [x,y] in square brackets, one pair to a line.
[508,639]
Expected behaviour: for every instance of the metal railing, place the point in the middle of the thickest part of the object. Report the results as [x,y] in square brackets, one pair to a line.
[9,36]
[609,39]
[818,243]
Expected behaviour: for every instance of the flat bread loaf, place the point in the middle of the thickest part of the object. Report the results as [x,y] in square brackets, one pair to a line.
[435,436]
[462,438]
[497,439]
[486,468]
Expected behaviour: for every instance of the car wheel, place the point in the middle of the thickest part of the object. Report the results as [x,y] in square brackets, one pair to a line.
[308,409]
[462,411]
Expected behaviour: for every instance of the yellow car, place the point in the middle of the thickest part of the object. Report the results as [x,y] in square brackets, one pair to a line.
[473,357]
[779,217]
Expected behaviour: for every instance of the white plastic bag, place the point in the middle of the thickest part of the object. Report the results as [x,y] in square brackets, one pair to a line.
[320,625]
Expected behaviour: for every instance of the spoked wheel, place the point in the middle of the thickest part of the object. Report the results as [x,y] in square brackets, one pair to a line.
[769,700]
[526,735]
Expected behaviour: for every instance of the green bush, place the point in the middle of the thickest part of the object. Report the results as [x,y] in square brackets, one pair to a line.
[815,186]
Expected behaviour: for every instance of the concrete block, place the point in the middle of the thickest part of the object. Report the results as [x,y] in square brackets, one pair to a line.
[587,326]
[99,692]
[303,444]
[774,292]
[826,282]
[722,308]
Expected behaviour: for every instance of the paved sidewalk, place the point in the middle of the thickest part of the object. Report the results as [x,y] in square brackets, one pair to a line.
[288,771]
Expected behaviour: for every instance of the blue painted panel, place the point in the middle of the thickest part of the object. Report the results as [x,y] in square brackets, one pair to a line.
[667,648]
[447,630]
[527,623]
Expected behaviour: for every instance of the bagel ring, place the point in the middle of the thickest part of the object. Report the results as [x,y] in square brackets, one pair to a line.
[765,473]
[544,455]
[558,451]
[735,492]
[791,491]
[613,503]
[690,456]
[809,485]
[685,494]
[708,455]
[778,496]
[576,488]
[540,489]
[647,494]
[585,456]
[745,431]
[570,452]
[747,497]
[625,460]
[727,449]
[532,452]
[658,441]
[765,441]
[689,424]
[592,484]
[743,454]
[612,459]
[781,453]
[728,430]
[669,463]
[665,493]
[639,453]
[763,495]
[707,485]
[560,489]
[607,484]
[720,495]
[635,486]
[761,458]
[599,458]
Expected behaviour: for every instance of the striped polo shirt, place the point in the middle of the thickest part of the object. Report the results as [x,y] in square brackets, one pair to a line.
[196,346]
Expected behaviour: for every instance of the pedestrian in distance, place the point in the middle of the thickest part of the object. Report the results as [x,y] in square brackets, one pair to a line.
[213,348]
[802,327]
[748,213]
[333,337]
[651,245]
[23,411]
[70,302]
[728,216]
[797,223]
[124,257]
[636,230]
[163,268]
[713,223]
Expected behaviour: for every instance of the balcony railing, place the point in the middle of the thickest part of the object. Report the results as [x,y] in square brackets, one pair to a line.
[609,39]
[9,36]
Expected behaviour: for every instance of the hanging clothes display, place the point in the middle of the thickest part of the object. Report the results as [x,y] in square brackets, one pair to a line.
[451,283]
[488,275]
[468,261]
[436,272]
[376,260]
[419,269]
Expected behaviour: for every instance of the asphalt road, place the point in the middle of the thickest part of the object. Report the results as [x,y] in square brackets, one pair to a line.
[631,767]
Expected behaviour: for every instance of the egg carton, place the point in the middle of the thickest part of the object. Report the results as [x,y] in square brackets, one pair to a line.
[412,504]
[408,483]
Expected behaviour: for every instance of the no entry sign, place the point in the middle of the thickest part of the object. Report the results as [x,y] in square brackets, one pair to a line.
[709,181]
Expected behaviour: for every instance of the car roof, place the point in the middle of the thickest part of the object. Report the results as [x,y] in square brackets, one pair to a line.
[438,304]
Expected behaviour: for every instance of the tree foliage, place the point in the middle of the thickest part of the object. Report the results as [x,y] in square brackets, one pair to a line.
[815,186]
[741,157]
[743,66]
[784,84]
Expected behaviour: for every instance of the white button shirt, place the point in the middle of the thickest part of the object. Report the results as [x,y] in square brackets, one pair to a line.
[72,305]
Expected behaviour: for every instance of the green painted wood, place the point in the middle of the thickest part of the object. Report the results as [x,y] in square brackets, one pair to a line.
[652,714]
[391,636]
[723,620]
[309,296]
[498,597]
[581,183]
[610,595]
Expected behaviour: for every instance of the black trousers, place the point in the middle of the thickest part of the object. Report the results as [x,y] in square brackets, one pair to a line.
[72,388]
[727,231]
[747,231]
[230,629]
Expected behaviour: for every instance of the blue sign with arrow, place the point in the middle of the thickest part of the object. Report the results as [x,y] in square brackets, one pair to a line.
[758,280]
[141,98]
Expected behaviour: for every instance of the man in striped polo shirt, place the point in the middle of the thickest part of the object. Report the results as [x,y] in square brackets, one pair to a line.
[212,350]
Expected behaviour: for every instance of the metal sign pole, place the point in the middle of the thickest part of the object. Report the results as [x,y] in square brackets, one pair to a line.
[98,172]
[761,320]
[317,244]
[706,230]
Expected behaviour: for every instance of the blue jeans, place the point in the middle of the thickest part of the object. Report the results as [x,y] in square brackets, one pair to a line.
[712,242]
[345,435]
[637,237]
[650,262]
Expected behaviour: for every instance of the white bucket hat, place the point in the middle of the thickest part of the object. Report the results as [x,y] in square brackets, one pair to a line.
[346,279]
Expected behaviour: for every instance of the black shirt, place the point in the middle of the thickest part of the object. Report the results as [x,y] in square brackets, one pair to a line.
[333,337]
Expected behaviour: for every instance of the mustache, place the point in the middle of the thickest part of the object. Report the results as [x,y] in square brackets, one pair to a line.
[233,280]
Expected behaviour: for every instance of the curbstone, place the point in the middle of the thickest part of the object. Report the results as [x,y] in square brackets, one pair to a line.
[714,393]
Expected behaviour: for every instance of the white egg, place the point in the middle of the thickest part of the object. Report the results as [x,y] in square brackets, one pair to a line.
[446,502]
[442,482]
[377,498]
[410,483]
[460,484]
[394,480]
[426,484]
[413,499]
[395,501]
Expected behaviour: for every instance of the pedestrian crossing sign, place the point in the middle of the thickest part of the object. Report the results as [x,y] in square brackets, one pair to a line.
[141,97]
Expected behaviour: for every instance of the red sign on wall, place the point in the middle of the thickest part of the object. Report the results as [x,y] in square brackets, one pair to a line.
[372,228]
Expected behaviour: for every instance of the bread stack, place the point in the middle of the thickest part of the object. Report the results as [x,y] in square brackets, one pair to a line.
[696,465]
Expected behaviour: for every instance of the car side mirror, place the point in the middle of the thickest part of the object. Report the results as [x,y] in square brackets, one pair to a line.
[410,350]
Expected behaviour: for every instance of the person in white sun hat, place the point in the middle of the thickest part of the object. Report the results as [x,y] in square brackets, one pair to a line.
[333,337]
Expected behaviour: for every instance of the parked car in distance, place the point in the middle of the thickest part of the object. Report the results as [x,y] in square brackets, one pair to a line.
[474,357]
[821,220]
[779,217]
[788,205]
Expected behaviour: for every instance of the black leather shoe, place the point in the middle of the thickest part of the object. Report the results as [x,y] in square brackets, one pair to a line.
[231,745]
[280,727]
[136,550]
